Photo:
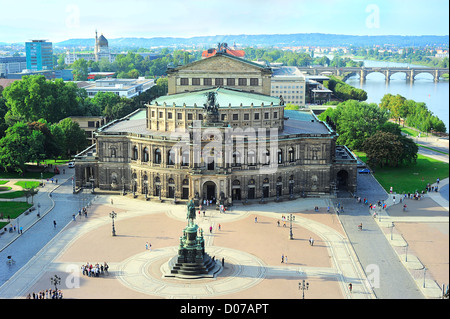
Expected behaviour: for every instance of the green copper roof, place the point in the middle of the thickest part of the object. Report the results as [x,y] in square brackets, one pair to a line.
[225,97]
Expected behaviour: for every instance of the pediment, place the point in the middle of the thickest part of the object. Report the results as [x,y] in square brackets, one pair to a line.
[221,63]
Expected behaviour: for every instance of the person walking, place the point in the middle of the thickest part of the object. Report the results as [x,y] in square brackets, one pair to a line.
[282,258]
[54,224]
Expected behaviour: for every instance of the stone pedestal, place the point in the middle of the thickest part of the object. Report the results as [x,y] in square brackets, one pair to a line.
[192,261]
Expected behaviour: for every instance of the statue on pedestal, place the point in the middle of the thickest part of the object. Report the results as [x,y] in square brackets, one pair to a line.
[190,212]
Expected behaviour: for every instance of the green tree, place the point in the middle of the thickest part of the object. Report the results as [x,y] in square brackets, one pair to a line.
[35,97]
[80,70]
[74,138]
[383,149]
[355,121]
[20,146]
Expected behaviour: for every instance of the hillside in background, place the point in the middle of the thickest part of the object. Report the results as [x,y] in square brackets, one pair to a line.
[299,39]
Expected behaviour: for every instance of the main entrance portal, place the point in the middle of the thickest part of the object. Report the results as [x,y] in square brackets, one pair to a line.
[209,190]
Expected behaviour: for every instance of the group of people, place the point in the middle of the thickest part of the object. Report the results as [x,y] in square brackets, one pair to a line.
[96,270]
[46,294]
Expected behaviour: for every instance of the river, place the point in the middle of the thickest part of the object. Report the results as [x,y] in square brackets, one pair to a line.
[423,89]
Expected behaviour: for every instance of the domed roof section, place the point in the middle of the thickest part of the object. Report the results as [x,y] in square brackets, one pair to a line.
[102,41]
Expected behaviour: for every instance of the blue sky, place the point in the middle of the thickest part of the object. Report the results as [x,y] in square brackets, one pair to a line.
[58,20]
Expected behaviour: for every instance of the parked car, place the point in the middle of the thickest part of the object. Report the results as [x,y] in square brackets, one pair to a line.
[364,171]
[71,164]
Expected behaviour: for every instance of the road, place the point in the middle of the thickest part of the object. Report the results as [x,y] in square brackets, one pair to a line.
[383,268]
[36,237]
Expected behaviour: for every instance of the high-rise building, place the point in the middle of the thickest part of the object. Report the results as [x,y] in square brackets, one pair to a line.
[39,55]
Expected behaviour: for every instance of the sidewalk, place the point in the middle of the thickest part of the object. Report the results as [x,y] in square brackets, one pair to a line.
[415,216]
[42,198]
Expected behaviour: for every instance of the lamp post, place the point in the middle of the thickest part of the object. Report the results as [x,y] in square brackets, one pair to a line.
[55,281]
[392,228]
[303,285]
[406,252]
[290,219]
[113,215]
[424,273]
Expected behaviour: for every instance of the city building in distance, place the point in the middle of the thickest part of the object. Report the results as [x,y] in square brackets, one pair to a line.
[101,51]
[39,54]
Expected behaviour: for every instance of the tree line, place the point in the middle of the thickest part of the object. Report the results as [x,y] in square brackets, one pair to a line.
[132,65]
[344,91]
[35,121]
[365,127]
[414,114]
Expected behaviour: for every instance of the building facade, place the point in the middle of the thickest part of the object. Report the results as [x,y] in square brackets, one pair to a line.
[225,143]
[12,64]
[39,54]
[290,83]
[128,88]
[101,51]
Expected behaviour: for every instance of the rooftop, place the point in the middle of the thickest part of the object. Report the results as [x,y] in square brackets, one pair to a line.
[297,122]
[225,97]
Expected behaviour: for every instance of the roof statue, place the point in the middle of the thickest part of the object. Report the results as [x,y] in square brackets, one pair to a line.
[211,106]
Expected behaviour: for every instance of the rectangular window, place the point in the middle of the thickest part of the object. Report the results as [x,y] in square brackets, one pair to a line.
[246,116]
[254,82]
[218,82]
[169,115]
[184,81]
[195,81]
[153,113]
[91,124]
[207,81]
[160,115]
[266,115]
[256,116]
[189,116]
[179,116]
[223,117]
[275,115]
[242,82]
[231,82]
[235,117]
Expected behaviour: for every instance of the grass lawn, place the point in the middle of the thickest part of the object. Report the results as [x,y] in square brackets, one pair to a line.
[26,175]
[27,184]
[13,209]
[3,182]
[410,178]
[12,195]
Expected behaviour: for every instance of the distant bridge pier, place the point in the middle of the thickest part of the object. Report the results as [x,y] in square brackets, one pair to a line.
[362,75]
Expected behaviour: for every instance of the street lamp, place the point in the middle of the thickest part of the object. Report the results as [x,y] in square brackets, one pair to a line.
[303,285]
[424,273]
[113,215]
[406,252]
[392,228]
[290,219]
[55,281]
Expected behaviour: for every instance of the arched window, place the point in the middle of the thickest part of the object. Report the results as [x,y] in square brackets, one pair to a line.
[266,158]
[251,158]
[135,153]
[291,154]
[185,158]
[145,155]
[185,190]
[157,157]
[280,156]
[236,159]
[171,157]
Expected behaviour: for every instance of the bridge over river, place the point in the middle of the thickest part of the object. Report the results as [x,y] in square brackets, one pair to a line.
[364,71]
